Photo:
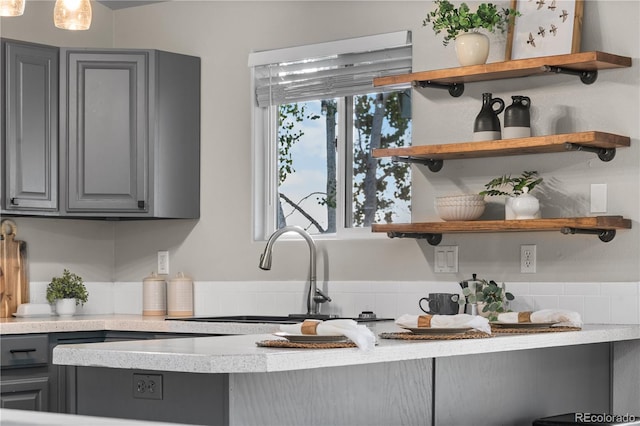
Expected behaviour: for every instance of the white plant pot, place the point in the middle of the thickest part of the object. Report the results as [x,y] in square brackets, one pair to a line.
[65,307]
[524,206]
[472,48]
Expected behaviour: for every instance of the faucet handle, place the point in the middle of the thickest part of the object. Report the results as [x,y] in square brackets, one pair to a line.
[321,297]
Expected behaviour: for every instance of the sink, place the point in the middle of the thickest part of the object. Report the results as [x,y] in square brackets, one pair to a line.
[241,318]
[269,319]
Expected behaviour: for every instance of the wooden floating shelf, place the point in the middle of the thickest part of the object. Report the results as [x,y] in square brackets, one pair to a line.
[579,62]
[603,226]
[505,147]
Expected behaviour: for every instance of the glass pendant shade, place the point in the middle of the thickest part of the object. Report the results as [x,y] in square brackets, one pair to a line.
[72,14]
[11,7]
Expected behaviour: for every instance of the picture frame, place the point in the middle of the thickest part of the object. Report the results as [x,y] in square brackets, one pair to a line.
[544,28]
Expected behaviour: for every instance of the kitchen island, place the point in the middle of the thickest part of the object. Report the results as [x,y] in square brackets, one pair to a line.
[230,380]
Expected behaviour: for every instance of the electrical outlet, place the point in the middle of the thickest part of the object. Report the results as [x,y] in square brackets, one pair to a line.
[528,259]
[163,262]
[147,386]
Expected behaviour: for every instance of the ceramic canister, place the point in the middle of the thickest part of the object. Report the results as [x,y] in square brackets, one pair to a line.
[180,296]
[154,295]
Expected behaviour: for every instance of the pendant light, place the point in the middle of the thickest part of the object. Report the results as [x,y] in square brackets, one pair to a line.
[72,14]
[11,7]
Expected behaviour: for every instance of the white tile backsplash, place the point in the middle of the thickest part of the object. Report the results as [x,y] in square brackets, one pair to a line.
[598,303]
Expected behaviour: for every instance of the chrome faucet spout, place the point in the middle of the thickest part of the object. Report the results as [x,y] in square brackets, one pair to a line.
[313,301]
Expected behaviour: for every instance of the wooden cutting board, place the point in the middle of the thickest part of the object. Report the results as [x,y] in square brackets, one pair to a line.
[14,287]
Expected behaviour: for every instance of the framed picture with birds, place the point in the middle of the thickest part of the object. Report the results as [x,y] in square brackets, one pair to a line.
[544,28]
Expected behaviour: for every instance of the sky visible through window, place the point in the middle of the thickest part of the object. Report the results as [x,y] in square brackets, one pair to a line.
[309,155]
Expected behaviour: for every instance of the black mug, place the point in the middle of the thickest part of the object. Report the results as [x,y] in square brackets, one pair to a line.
[441,304]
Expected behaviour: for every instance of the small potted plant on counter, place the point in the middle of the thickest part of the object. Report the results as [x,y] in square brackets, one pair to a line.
[519,204]
[490,298]
[462,25]
[67,292]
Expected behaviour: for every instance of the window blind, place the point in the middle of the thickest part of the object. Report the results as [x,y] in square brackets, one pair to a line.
[329,70]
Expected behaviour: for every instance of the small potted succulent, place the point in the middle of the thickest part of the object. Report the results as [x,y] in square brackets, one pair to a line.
[490,298]
[66,292]
[462,25]
[520,204]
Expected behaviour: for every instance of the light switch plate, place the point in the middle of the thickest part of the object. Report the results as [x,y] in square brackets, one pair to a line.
[446,259]
[598,198]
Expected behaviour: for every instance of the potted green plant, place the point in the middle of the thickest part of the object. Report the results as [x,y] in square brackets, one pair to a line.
[66,292]
[519,204]
[490,298]
[462,25]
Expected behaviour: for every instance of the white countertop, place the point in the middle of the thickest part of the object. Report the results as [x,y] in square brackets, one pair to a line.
[38,418]
[154,324]
[239,354]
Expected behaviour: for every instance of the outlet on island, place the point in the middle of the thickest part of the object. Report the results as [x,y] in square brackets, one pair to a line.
[147,386]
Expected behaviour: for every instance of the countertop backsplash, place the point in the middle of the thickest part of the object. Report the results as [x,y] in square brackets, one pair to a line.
[598,303]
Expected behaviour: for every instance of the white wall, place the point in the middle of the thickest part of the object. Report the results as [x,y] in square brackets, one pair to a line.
[218,247]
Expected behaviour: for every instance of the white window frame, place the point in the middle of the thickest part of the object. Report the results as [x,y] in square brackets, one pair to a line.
[265,141]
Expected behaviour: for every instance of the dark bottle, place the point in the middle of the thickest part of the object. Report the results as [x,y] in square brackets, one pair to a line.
[487,124]
[517,120]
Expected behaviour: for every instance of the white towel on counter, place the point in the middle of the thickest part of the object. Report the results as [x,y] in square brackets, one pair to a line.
[563,317]
[357,333]
[475,322]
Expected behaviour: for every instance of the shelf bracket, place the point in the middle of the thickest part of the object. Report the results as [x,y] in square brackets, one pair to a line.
[432,239]
[455,89]
[587,77]
[433,165]
[605,235]
[604,154]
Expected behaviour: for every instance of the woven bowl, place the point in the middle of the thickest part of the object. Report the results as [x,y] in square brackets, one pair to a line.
[460,207]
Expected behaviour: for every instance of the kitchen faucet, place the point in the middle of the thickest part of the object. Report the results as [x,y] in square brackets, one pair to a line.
[315,296]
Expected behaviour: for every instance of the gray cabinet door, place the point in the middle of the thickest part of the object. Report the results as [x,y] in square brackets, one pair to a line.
[104,132]
[30,137]
[29,393]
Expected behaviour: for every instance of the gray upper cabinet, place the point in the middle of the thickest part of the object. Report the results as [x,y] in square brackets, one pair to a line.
[30,128]
[130,133]
[99,133]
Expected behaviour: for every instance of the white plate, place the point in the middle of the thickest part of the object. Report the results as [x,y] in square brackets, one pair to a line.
[432,330]
[523,324]
[311,338]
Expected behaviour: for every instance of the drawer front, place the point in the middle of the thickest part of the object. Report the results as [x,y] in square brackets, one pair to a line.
[22,351]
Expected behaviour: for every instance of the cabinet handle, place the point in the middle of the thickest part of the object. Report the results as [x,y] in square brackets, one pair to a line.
[141,204]
[15,351]
[14,202]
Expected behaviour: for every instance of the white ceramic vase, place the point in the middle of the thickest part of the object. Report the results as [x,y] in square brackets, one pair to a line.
[472,48]
[524,206]
[65,307]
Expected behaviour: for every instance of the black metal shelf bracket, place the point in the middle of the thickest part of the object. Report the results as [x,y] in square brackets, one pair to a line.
[433,165]
[605,235]
[604,154]
[455,89]
[587,77]
[432,239]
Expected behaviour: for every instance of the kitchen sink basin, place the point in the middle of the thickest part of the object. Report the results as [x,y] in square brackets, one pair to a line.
[269,319]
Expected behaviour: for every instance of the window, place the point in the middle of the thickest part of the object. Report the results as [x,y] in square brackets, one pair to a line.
[316,121]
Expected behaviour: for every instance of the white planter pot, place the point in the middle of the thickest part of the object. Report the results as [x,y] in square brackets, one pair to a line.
[472,48]
[524,206]
[65,307]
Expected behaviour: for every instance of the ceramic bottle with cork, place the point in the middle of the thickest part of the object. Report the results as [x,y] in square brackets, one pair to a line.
[517,119]
[486,126]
